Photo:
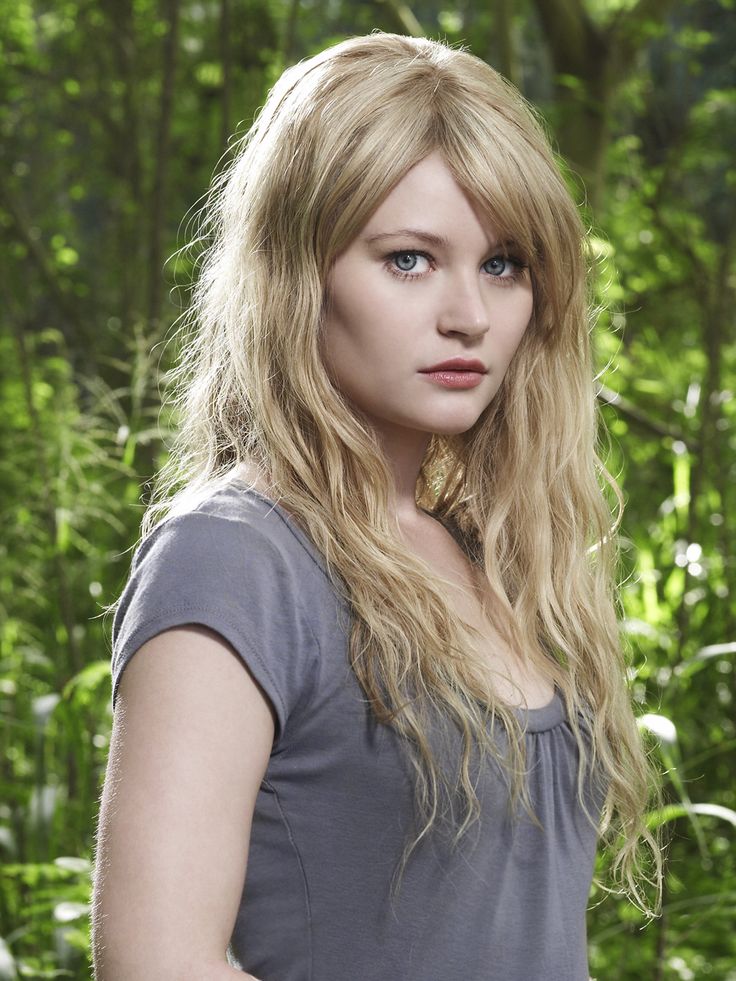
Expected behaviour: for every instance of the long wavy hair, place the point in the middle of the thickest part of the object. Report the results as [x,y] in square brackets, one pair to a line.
[524,487]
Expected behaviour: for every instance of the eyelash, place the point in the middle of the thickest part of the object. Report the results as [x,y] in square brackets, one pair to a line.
[518,272]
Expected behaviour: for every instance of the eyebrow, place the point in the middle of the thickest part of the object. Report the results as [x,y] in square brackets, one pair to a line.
[423,236]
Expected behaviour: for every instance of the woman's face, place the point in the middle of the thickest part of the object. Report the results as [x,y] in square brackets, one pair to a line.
[425,282]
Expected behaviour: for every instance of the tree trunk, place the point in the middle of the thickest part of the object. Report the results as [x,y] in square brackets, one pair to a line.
[125,158]
[163,135]
[226,59]
[508,63]
[590,62]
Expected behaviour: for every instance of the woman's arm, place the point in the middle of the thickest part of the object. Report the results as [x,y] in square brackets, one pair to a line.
[191,739]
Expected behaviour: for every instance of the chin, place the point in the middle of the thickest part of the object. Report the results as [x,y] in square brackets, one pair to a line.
[459,422]
[457,428]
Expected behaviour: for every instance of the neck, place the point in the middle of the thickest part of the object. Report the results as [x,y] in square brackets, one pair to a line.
[404,451]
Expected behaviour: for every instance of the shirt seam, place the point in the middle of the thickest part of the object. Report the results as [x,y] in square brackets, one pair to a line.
[305,882]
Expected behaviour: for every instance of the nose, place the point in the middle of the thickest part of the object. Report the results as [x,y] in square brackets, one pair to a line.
[464,310]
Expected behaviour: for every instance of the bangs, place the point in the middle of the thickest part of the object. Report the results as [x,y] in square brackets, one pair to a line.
[518,186]
[499,183]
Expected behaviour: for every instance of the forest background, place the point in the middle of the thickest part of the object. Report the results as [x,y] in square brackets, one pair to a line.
[114,114]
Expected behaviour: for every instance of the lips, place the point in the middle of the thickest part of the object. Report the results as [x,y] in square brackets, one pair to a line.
[457,364]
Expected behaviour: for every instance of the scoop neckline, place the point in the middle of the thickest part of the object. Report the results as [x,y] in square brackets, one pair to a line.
[545,717]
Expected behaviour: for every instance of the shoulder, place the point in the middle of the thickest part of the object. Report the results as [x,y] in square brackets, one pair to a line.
[236,525]
[233,562]
[231,553]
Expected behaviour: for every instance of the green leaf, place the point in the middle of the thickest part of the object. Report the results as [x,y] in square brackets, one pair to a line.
[670,812]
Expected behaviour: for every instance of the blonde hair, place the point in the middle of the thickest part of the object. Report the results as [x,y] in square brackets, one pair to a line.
[524,487]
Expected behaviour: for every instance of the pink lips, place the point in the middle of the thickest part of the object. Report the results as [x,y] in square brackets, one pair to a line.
[457,364]
[456,373]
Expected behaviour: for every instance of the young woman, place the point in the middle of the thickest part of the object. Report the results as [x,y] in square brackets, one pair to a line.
[377,719]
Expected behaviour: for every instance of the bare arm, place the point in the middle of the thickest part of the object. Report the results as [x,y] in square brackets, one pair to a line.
[190,744]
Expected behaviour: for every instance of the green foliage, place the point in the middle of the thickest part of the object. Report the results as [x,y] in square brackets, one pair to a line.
[69,494]
[96,179]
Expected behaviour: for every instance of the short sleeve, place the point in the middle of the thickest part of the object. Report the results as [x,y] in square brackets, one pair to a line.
[228,575]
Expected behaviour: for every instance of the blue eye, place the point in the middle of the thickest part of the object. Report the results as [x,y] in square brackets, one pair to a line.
[406,261]
[403,264]
[499,263]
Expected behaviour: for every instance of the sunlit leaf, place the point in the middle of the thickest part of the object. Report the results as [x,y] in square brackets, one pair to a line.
[703,656]
[660,726]
[89,678]
[66,912]
[73,864]
[8,969]
[673,811]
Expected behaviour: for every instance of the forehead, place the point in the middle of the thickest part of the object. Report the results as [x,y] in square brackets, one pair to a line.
[428,204]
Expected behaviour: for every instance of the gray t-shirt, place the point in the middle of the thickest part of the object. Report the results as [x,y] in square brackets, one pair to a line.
[335,806]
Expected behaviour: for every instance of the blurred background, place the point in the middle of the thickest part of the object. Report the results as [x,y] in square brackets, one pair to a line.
[114,115]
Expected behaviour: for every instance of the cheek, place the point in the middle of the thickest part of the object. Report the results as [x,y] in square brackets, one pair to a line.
[363,322]
[517,328]
[348,346]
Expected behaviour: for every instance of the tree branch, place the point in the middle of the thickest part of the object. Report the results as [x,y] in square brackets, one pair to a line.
[404,17]
[606,396]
